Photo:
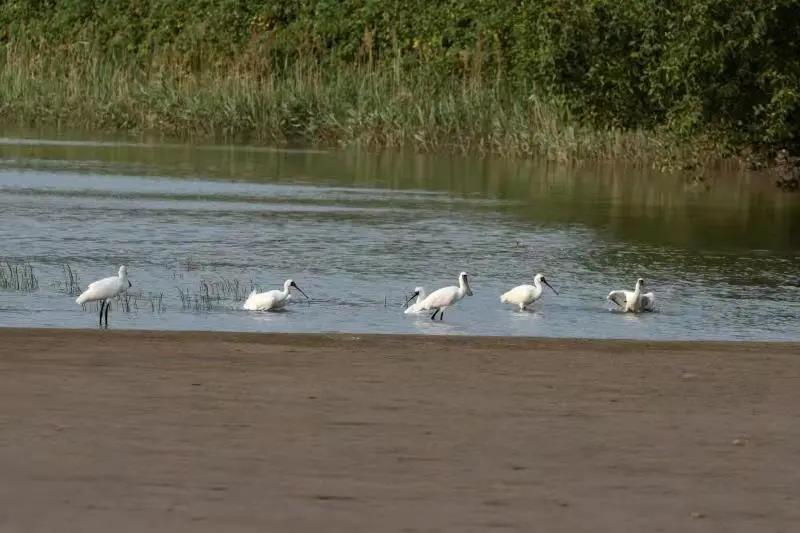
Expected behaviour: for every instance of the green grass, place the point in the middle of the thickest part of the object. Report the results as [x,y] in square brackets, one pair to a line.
[372,106]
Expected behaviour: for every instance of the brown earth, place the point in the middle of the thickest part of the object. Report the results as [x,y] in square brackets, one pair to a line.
[214,432]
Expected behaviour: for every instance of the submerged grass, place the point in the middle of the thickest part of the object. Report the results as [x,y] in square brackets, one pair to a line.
[353,104]
[211,294]
[70,284]
[18,276]
[132,301]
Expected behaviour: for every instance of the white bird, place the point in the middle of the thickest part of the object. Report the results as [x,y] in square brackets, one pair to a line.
[104,289]
[634,301]
[441,299]
[416,307]
[271,300]
[524,295]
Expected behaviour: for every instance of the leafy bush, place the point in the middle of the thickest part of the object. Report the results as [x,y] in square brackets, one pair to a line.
[728,70]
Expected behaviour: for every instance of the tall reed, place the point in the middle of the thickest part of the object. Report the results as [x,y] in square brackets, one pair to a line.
[366,104]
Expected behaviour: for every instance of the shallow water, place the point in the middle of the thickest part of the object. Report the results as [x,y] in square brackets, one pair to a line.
[357,231]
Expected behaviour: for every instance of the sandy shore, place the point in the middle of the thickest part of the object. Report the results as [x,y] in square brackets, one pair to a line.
[142,431]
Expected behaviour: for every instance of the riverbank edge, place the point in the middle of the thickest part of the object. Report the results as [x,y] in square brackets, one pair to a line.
[377,340]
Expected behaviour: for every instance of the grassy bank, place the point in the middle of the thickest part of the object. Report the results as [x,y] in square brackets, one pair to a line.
[382,106]
[634,79]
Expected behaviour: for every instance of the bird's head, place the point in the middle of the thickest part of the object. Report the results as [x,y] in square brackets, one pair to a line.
[540,277]
[417,292]
[463,279]
[291,283]
[123,275]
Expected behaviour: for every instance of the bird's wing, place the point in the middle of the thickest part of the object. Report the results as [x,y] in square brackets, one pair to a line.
[516,295]
[618,297]
[438,298]
[100,290]
[105,282]
[648,301]
[259,301]
[105,288]
[416,307]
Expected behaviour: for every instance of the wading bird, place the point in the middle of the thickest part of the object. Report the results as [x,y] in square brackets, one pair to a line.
[634,301]
[416,307]
[524,295]
[441,299]
[271,300]
[105,289]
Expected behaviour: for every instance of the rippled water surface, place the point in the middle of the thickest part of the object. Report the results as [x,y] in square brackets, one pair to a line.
[198,226]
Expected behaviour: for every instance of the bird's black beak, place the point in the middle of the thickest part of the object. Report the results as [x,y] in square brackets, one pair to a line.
[411,298]
[301,290]
[551,287]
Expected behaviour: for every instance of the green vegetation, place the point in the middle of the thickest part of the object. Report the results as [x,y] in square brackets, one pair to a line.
[643,80]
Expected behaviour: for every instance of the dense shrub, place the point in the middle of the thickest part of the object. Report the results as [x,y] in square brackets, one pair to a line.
[724,69]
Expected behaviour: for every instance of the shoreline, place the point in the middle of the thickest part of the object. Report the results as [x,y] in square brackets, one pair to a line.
[206,431]
[286,337]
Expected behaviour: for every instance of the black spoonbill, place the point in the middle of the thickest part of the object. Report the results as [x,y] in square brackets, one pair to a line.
[441,299]
[416,307]
[634,301]
[271,300]
[105,289]
[525,295]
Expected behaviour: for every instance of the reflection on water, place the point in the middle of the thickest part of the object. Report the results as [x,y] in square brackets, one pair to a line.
[359,230]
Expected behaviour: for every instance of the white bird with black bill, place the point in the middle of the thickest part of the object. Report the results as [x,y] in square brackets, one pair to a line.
[634,301]
[271,300]
[439,300]
[105,289]
[524,295]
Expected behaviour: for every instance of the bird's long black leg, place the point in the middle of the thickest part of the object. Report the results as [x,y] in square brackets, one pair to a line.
[433,316]
[102,303]
[441,316]
[108,306]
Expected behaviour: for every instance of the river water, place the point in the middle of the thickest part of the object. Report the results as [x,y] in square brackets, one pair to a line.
[198,226]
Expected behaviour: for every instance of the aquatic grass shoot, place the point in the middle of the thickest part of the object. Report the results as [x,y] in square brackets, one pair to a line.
[69,285]
[18,276]
[217,293]
[132,302]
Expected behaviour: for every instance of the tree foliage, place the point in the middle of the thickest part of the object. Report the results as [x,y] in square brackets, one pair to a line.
[725,68]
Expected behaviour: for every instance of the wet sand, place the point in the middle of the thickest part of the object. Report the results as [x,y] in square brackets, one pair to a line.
[143,431]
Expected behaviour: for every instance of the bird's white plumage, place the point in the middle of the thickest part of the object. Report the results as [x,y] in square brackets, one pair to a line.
[264,301]
[416,307]
[444,297]
[633,301]
[524,295]
[439,300]
[270,300]
[105,288]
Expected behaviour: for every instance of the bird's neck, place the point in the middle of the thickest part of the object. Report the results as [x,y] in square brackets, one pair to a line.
[462,288]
